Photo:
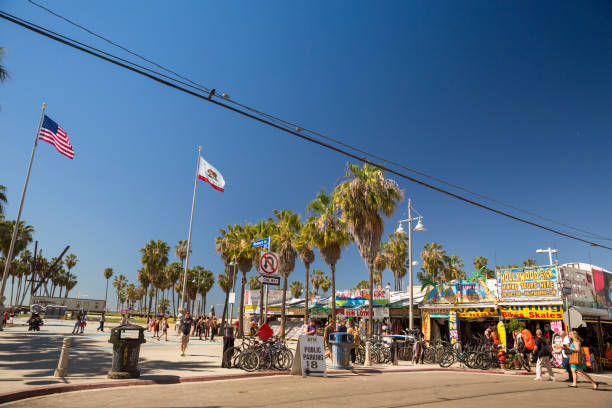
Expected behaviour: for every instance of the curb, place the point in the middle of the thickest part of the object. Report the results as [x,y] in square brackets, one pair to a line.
[59,389]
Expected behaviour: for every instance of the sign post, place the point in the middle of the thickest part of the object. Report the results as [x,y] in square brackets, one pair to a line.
[309,357]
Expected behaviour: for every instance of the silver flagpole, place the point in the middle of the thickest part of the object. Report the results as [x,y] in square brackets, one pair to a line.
[195,186]
[25,187]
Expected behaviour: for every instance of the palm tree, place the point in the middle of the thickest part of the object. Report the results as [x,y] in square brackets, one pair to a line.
[296,289]
[173,274]
[130,294]
[254,283]
[164,303]
[380,264]
[143,279]
[362,285]
[285,236]
[3,73]
[395,253]
[432,259]
[317,277]
[325,285]
[119,283]
[155,259]
[70,283]
[70,261]
[180,250]
[481,261]
[304,245]
[24,237]
[108,273]
[225,283]
[3,200]
[330,235]
[530,262]
[453,268]
[363,198]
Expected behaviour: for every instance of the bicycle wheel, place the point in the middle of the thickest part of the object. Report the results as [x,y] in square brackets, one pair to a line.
[429,355]
[447,360]
[249,360]
[482,361]
[524,363]
[231,357]
[470,360]
[405,353]
[282,360]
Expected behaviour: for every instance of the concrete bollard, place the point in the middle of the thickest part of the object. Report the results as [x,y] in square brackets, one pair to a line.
[62,365]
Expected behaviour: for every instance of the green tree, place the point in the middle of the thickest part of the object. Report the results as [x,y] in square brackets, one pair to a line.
[453,268]
[530,262]
[155,258]
[432,261]
[285,236]
[325,285]
[481,261]
[364,198]
[330,235]
[296,288]
[70,283]
[108,273]
[304,245]
[254,283]
[173,273]
[361,285]
[380,264]
[3,72]
[3,200]
[316,279]
[120,282]
[395,251]
[206,282]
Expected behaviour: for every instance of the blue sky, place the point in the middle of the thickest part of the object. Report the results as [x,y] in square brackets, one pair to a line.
[510,99]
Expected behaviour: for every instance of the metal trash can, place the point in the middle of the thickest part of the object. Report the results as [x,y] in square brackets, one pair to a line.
[341,344]
[126,340]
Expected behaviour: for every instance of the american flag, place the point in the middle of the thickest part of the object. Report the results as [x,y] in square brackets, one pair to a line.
[52,133]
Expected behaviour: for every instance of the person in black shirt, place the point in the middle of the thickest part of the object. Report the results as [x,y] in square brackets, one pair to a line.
[542,352]
[342,326]
[185,326]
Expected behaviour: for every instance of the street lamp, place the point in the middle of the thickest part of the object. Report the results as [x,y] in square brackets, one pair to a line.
[550,252]
[400,230]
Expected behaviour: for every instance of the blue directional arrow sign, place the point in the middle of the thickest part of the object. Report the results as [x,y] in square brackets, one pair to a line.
[265,243]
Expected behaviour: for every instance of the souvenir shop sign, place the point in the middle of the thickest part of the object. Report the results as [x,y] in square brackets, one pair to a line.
[251,299]
[581,284]
[536,281]
[603,288]
[361,297]
[379,312]
[539,312]
[459,291]
[465,312]
[453,326]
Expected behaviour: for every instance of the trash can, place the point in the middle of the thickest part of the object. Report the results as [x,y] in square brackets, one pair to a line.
[341,344]
[126,340]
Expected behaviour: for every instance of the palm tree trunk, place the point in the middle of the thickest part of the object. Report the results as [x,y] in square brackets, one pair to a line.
[149,308]
[18,288]
[241,322]
[333,292]
[282,323]
[173,304]
[262,317]
[306,294]
[204,304]
[225,309]
[370,303]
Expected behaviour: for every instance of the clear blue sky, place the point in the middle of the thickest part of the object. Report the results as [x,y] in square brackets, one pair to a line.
[511,99]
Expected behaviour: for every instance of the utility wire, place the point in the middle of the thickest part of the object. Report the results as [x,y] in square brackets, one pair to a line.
[105,56]
[295,126]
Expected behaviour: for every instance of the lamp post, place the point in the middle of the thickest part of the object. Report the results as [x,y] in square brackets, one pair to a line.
[400,230]
[550,252]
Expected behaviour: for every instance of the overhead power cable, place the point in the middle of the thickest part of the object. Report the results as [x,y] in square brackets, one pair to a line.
[295,126]
[147,73]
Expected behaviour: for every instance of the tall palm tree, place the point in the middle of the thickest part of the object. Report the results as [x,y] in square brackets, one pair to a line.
[432,258]
[304,245]
[330,235]
[396,253]
[3,200]
[108,273]
[71,282]
[225,283]
[481,261]
[120,283]
[364,197]
[362,285]
[325,284]
[143,279]
[24,237]
[296,289]
[530,262]
[285,236]
[180,250]
[155,258]
[207,280]
[453,268]
[317,277]
[173,274]
[70,261]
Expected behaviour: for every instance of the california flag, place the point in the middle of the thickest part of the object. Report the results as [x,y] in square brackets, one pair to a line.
[211,175]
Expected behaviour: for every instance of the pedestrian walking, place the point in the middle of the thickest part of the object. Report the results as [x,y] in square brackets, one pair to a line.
[577,362]
[311,329]
[252,329]
[83,322]
[77,324]
[542,350]
[356,341]
[186,328]
[565,344]
[101,327]
[329,327]
[213,328]
[124,320]
[164,328]
[156,323]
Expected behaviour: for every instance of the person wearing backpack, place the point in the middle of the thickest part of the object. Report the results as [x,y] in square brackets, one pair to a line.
[529,344]
[542,350]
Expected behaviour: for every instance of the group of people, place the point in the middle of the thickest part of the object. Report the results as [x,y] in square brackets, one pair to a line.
[80,323]
[187,326]
[158,324]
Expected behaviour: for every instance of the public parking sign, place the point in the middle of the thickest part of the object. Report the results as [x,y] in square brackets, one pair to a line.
[268,264]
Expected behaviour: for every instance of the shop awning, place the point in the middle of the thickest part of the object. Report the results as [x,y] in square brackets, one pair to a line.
[591,312]
[457,306]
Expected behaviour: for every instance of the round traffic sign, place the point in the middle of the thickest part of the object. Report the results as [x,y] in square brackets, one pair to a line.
[268,263]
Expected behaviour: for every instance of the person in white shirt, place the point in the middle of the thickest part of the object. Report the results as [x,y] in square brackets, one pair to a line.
[565,356]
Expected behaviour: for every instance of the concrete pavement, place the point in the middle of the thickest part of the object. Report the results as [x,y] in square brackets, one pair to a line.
[430,389]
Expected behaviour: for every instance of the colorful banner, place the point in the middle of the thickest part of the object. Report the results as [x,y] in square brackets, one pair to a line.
[501,331]
[581,284]
[379,312]
[540,312]
[361,297]
[528,282]
[465,312]
[426,326]
[459,291]
[603,288]
[453,326]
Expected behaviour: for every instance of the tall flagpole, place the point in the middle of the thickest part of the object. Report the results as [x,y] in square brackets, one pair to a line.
[9,257]
[195,186]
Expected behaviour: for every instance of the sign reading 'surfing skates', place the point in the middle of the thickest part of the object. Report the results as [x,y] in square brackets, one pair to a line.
[532,282]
